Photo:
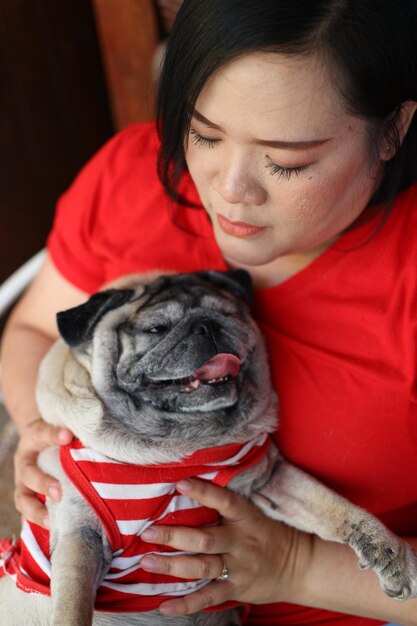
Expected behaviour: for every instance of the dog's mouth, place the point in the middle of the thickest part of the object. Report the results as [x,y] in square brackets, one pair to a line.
[214,385]
[219,370]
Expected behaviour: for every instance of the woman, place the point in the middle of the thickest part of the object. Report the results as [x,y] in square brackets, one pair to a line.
[292,124]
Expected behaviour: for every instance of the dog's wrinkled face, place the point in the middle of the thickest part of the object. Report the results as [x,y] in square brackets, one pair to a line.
[183,346]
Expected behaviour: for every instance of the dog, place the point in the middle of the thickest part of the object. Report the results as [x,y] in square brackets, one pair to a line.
[159,379]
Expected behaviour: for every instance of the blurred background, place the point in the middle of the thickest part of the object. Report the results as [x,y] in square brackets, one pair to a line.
[72,72]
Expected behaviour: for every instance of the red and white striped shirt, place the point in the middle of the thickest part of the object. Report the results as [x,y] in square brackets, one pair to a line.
[128,499]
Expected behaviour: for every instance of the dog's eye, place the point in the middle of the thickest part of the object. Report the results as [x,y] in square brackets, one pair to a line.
[157,329]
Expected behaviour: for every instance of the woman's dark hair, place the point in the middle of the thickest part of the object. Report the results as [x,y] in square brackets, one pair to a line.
[370,47]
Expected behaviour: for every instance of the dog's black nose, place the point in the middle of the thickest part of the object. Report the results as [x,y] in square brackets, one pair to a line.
[205,327]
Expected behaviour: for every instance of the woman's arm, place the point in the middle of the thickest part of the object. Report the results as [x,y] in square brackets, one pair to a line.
[29,333]
[268,562]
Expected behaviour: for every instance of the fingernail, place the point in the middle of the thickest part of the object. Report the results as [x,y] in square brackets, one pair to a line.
[64,436]
[54,492]
[45,522]
[149,562]
[149,534]
[184,485]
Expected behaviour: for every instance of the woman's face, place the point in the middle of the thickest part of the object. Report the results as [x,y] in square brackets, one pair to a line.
[280,167]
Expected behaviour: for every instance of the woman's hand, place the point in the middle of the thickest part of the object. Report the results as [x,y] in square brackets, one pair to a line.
[262,556]
[29,479]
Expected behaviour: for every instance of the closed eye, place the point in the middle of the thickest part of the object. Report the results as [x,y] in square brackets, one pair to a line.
[284,172]
[199,140]
[275,168]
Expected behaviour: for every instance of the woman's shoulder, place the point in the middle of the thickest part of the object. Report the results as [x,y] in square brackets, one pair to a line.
[140,134]
[401,225]
[135,148]
[136,141]
[405,205]
[104,208]
[123,170]
[395,245]
[127,161]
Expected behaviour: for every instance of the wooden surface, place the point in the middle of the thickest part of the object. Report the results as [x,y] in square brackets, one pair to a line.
[128,33]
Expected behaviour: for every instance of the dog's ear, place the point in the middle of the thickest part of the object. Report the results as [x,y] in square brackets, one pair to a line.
[238,282]
[75,325]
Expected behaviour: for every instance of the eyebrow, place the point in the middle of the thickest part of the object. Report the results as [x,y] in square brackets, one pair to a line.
[293,145]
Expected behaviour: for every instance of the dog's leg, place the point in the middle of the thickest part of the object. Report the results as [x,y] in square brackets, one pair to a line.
[79,551]
[294,497]
[77,563]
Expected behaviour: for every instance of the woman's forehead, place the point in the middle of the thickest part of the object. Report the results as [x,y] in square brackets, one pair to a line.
[267,94]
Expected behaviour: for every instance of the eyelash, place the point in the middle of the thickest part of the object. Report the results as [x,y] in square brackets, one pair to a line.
[199,140]
[284,172]
[276,170]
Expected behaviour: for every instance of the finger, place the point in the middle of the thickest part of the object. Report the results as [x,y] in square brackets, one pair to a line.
[34,479]
[210,540]
[213,594]
[30,507]
[230,505]
[201,566]
[44,435]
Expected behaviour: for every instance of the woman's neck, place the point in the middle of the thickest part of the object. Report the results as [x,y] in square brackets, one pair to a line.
[280,269]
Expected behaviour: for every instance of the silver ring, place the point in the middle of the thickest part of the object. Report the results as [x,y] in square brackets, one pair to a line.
[225,573]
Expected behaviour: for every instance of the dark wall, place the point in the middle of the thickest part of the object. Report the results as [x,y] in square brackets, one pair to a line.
[53,114]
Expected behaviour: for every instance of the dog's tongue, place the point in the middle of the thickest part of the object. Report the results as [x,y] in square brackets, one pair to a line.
[219,366]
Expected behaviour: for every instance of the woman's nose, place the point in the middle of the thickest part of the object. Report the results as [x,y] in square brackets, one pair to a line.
[239,187]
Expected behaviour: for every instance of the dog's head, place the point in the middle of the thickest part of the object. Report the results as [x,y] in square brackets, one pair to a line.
[179,357]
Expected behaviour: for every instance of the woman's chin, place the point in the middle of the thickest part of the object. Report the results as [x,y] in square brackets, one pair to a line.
[246,259]
[248,252]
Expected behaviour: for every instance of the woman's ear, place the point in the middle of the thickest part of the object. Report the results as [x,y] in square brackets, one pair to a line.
[402,123]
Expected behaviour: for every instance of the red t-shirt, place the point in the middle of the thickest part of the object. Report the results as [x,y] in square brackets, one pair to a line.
[341,333]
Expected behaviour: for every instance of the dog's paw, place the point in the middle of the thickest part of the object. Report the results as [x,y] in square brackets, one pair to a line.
[393,560]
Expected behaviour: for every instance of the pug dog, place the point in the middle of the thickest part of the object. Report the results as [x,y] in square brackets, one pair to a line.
[160,379]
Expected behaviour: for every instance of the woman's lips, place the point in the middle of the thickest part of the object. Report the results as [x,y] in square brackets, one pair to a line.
[238,229]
